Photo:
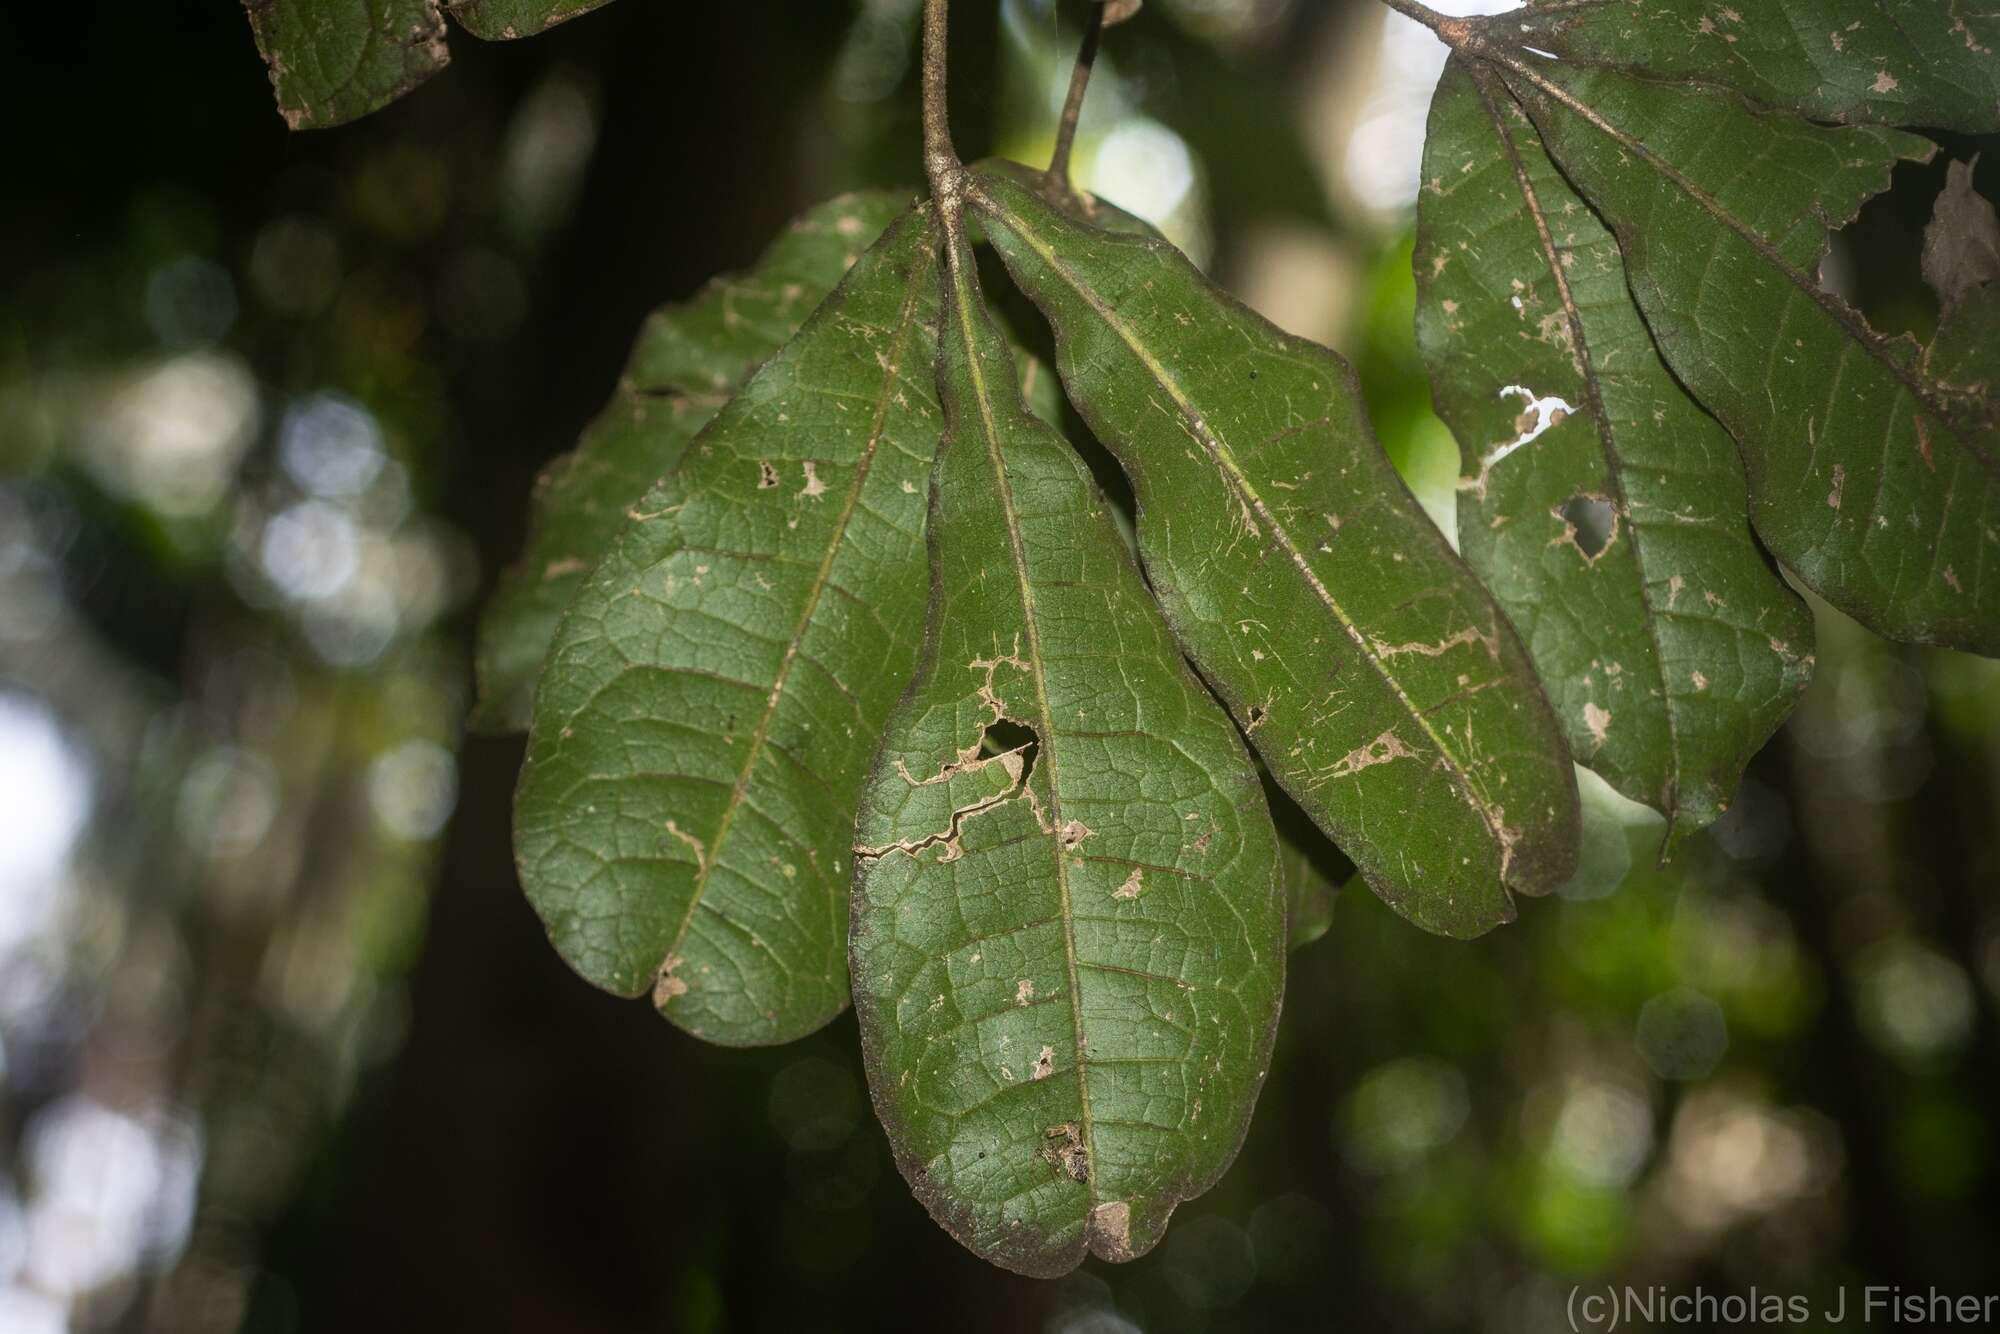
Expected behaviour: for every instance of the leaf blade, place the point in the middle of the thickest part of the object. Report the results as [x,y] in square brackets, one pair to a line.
[1157,361]
[1121,872]
[1654,645]
[688,358]
[721,679]
[1864,478]
[504,20]
[333,61]
[1884,62]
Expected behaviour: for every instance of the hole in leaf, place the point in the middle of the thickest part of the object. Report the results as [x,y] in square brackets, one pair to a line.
[1256,714]
[1594,520]
[1006,735]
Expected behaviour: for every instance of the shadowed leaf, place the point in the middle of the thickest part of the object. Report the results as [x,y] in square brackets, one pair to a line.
[1068,940]
[685,815]
[1885,62]
[688,359]
[1381,684]
[333,61]
[502,19]
[1669,646]
[1865,476]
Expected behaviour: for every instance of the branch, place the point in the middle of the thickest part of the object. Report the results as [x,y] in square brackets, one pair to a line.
[941,162]
[1454,33]
[1079,81]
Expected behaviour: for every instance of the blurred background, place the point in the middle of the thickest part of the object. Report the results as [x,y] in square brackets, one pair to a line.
[282,1048]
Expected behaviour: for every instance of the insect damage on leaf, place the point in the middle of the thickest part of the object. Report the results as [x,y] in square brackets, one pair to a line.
[1613,524]
[1068,939]
[1721,209]
[1377,679]
[684,819]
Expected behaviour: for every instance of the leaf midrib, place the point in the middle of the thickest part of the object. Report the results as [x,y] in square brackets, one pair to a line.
[1834,309]
[1614,464]
[1247,494]
[738,793]
[962,302]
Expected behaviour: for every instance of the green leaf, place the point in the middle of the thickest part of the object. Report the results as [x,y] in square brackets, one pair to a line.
[1379,681]
[498,20]
[1603,507]
[1865,477]
[714,696]
[333,61]
[688,359]
[1068,941]
[1888,62]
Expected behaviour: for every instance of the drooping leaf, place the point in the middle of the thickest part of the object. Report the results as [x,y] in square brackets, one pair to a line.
[1886,62]
[718,687]
[1603,507]
[1865,478]
[1379,681]
[499,20]
[332,61]
[1068,942]
[688,359]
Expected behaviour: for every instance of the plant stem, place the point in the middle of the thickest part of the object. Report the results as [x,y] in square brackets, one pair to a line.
[941,162]
[1079,81]
[1453,32]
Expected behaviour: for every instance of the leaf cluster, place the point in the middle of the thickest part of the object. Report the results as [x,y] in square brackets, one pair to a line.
[844,679]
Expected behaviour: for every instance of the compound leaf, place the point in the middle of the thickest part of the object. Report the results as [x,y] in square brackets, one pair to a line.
[718,687]
[690,356]
[1603,507]
[1379,681]
[1069,941]
[1866,477]
[1887,62]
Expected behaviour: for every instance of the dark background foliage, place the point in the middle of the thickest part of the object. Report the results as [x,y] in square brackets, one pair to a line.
[1772,1063]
